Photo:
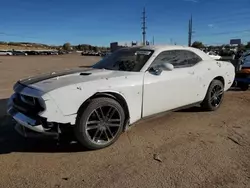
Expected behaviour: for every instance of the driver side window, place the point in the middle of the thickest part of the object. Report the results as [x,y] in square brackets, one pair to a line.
[178,58]
[165,57]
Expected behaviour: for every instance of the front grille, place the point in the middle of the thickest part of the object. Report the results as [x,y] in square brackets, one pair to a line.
[28,105]
[28,100]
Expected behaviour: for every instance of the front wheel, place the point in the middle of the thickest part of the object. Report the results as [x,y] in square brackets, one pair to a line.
[214,96]
[100,124]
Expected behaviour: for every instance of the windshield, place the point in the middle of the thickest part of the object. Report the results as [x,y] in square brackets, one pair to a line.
[126,59]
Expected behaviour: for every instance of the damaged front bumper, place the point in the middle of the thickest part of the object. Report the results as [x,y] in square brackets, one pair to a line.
[29,126]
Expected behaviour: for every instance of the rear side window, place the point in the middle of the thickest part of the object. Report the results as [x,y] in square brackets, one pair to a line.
[178,58]
[192,58]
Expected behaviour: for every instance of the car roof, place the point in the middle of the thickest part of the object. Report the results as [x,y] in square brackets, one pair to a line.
[202,54]
[162,47]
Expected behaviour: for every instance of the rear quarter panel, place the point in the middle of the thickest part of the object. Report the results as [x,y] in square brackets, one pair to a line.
[210,69]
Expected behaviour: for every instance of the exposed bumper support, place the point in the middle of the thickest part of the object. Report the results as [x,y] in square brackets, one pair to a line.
[32,134]
[27,122]
[23,120]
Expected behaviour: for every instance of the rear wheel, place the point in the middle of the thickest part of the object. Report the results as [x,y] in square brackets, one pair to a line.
[100,124]
[214,96]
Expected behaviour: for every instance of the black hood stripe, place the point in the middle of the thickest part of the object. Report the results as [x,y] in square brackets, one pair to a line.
[33,80]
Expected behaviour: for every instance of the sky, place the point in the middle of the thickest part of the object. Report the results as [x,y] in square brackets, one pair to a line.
[99,22]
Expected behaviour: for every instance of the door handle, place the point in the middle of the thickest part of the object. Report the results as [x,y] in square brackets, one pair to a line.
[191,72]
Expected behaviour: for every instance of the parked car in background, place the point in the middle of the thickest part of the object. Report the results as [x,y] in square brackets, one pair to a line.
[53,53]
[242,77]
[61,52]
[99,103]
[2,52]
[105,54]
[19,53]
[92,53]
[214,55]
[246,53]
[32,52]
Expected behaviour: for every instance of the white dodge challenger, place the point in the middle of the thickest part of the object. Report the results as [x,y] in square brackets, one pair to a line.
[97,104]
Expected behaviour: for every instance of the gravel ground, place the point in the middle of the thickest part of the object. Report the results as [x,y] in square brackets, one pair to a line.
[187,148]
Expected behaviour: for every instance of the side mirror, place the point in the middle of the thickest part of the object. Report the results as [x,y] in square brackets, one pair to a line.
[167,66]
[155,70]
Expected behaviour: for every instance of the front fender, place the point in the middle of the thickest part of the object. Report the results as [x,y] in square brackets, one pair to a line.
[65,102]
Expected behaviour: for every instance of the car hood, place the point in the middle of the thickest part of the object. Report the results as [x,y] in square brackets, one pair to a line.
[54,80]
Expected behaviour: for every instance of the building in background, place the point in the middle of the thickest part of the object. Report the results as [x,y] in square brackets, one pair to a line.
[115,45]
[235,42]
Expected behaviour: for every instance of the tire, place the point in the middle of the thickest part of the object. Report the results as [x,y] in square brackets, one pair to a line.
[243,86]
[95,121]
[213,101]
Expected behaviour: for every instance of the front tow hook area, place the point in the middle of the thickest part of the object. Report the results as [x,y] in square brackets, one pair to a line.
[28,133]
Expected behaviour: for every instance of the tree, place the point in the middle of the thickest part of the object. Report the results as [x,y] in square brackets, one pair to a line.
[2,42]
[227,46]
[78,47]
[248,45]
[95,48]
[197,44]
[89,47]
[84,47]
[67,46]
[241,47]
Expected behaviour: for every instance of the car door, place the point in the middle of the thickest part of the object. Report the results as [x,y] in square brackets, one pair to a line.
[171,89]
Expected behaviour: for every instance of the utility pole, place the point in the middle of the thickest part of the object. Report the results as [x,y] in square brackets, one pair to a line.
[153,40]
[190,31]
[144,27]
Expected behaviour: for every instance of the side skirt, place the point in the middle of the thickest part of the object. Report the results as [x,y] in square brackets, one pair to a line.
[129,126]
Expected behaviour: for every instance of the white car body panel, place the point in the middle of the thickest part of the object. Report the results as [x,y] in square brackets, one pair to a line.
[144,93]
[170,90]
